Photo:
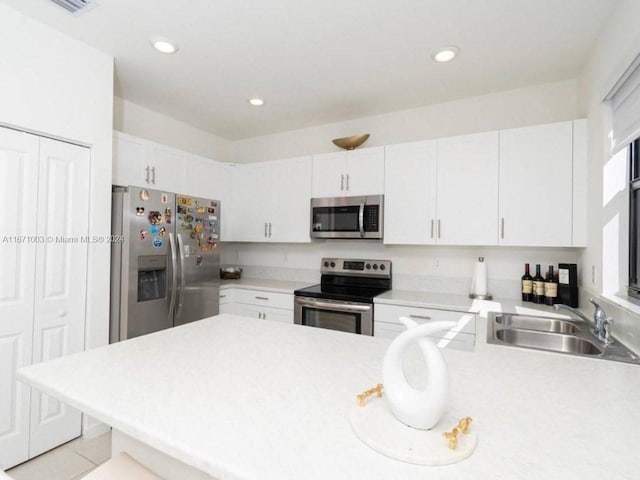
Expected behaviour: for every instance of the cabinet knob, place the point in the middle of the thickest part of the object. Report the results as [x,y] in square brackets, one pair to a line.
[62,313]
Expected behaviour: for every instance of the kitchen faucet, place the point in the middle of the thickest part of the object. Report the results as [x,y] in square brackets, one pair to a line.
[601,322]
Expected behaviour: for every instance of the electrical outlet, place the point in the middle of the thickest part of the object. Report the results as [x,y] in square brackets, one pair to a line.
[436,263]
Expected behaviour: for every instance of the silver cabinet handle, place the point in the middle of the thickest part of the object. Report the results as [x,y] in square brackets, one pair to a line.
[146,179]
[153,175]
[260,315]
[221,296]
[265,229]
[439,229]
[421,317]
[502,227]
[262,298]
[347,181]
[342,182]
[264,315]
[269,229]
[432,228]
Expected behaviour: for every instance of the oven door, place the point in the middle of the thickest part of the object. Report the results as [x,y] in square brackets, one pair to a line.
[350,317]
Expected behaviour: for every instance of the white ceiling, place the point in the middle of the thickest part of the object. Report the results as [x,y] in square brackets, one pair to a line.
[323,61]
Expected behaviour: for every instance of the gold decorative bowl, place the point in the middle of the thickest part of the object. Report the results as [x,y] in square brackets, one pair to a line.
[349,143]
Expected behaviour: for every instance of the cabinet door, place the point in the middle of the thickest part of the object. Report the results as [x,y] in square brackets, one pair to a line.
[536,185]
[290,188]
[18,191]
[277,315]
[130,161]
[252,203]
[468,190]
[329,175]
[167,169]
[410,193]
[365,172]
[61,271]
[250,311]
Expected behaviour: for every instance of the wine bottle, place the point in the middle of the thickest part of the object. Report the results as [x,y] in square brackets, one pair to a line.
[550,288]
[538,286]
[527,285]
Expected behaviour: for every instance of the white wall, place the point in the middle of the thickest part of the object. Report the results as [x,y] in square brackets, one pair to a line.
[617,46]
[56,86]
[134,119]
[547,103]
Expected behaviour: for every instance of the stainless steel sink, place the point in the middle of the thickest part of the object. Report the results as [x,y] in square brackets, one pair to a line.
[553,335]
[556,342]
[542,324]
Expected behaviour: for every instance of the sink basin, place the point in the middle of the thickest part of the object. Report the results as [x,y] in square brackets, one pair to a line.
[556,342]
[572,337]
[541,324]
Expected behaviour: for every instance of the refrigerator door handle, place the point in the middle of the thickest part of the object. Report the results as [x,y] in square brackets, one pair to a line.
[174,276]
[181,288]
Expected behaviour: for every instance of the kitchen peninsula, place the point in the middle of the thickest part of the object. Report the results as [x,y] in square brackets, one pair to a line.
[240,398]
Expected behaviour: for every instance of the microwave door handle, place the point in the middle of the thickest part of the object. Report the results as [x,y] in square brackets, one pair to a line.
[361,219]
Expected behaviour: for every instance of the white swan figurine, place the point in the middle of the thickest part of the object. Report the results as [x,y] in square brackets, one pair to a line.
[421,409]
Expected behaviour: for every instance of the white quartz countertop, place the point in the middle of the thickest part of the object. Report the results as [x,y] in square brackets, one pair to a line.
[265,284]
[243,398]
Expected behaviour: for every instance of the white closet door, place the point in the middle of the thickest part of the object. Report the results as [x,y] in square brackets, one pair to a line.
[59,324]
[18,194]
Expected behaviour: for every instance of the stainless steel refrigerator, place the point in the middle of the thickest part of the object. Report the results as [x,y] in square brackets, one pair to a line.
[164,260]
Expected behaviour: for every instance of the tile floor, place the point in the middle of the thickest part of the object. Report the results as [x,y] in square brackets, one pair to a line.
[70,461]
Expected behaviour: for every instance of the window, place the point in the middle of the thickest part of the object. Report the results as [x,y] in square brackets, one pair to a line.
[634,219]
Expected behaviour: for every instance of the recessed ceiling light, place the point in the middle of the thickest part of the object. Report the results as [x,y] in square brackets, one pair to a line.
[256,102]
[445,54]
[164,46]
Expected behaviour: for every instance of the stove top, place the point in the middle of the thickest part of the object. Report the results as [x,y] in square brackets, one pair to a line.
[350,280]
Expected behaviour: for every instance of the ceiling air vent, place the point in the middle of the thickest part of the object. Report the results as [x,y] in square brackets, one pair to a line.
[76,7]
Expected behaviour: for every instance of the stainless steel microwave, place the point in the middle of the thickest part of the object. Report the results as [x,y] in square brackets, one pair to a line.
[347,217]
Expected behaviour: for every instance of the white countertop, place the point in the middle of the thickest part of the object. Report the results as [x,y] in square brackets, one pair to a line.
[251,399]
[265,284]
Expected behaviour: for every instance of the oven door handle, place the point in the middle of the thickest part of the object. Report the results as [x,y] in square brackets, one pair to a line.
[333,306]
[361,219]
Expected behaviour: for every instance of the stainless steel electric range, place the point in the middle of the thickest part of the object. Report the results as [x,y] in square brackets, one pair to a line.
[344,298]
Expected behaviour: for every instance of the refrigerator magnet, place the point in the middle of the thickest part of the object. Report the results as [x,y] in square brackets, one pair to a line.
[140,211]
[182,210]
[144,195]
[162,231]
[143,234]
[167,215]
[155,218]
[164,198]
[198,260]
[154,229]
[157,242]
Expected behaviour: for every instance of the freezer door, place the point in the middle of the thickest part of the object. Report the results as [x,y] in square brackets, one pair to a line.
[198,233]
[147,271]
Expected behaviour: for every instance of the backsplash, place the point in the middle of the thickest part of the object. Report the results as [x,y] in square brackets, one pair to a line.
[430,268]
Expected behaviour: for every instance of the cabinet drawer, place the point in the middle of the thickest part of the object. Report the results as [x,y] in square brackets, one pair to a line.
[260,297]
[444,339]
[392,313]
[226,296]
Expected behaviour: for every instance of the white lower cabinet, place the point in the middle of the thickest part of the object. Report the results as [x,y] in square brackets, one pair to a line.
[43,284]
[259,304]
[387,324]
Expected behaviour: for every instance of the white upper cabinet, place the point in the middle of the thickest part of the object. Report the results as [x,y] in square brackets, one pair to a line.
[468,190]
[349,173]
[536,185]
[272,201]
[146,164]
[410,193]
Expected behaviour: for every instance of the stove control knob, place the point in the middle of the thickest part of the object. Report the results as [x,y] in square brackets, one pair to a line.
[326,264]
[333,264]
[382,267]
[368,266]
[375,266]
